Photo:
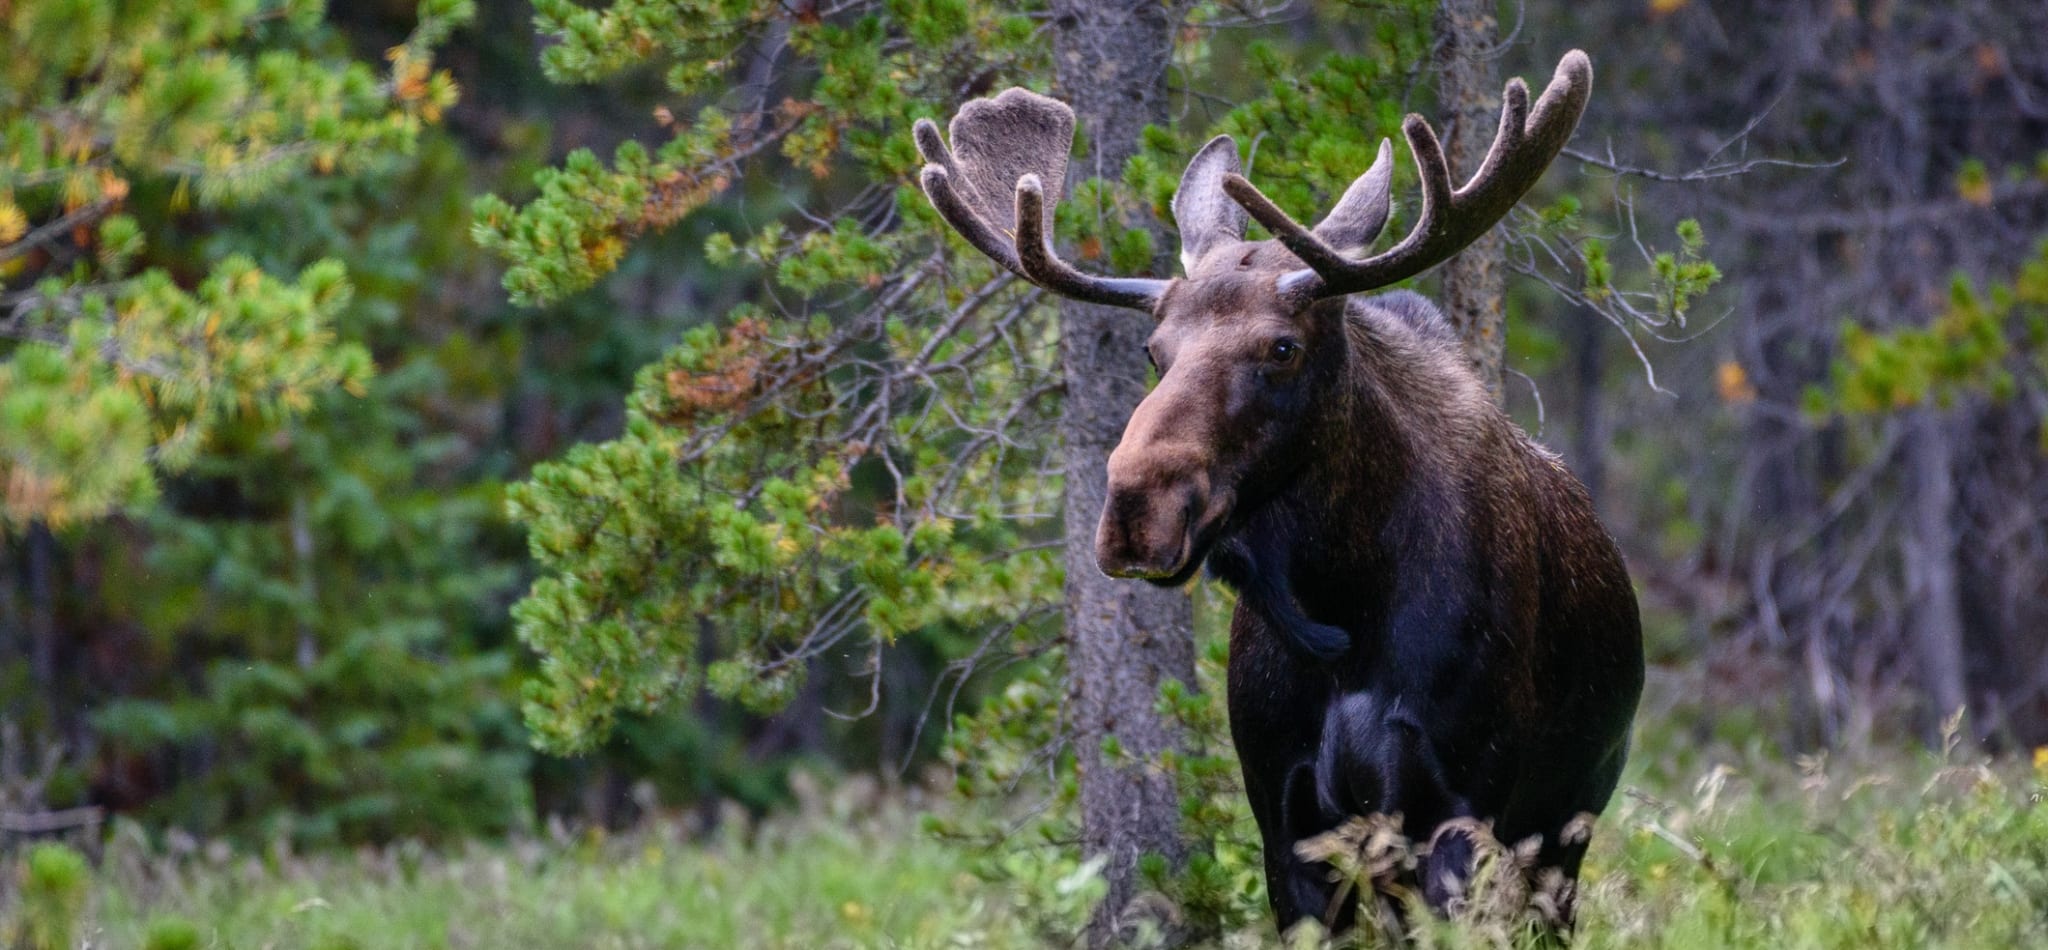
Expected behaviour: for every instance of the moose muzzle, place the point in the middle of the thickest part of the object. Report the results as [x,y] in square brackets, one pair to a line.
[1158,515]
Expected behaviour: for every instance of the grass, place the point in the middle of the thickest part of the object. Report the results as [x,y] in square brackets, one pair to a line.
[848,871]
[1915,851]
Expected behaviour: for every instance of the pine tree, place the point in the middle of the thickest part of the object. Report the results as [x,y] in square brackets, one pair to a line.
[201,263]
[122,123]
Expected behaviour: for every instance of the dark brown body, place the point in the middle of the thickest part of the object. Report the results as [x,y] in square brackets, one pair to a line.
[1493,654]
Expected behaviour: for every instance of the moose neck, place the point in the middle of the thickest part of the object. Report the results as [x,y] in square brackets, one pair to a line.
[1378,491]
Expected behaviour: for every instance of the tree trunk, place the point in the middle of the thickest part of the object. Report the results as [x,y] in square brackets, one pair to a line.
[1468,94]
[42,615]
[308,652]
[13,624]
[1124,638]
[1934,612]
[1593,434]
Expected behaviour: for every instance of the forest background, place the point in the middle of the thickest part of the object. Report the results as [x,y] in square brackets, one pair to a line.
[436,422]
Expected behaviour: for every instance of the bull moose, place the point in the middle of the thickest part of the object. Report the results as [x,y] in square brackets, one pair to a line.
[1431,622]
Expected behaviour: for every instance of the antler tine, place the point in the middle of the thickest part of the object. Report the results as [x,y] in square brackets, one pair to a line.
[938,186]
[938,179]
[1313,251]
[1449,219]
[1043,267]
[1306,244]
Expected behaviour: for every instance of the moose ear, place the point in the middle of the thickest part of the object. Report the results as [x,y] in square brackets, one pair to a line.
[1205,215]
[1362,212]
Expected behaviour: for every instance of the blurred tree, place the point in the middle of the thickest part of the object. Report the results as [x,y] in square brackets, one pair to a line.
[1880,555]
[118,120]
[334,582]
[297,624]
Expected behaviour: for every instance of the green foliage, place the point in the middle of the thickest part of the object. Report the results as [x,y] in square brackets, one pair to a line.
[877,69]
[1675,278]
[762,537]
[171,933]
[54,882]
[1013,748]
[789,477]
[1310,120]
[1223,886]
[1680,276]
[1983,342]
[118,120]
[336,598]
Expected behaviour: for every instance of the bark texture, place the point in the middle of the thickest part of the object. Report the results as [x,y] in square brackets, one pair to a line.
[1468,89]
[1124,638]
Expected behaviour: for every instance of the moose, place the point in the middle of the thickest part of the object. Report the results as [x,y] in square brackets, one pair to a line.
[1431,621]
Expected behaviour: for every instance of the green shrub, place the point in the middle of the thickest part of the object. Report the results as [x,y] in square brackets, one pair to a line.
[54,882]
[171,933]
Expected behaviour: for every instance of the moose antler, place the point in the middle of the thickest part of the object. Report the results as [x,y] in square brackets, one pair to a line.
[1016,144]
[1449,220]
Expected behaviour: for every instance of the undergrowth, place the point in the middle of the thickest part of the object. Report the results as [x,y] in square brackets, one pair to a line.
[1912,850]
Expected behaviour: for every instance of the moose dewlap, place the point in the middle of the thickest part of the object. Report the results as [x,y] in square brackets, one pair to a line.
[1432,623]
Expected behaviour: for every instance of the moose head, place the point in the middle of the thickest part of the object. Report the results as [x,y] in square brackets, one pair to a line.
[1253,336]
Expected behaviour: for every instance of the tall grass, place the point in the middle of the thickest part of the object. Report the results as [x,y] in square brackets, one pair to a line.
[1918,850]
[847,870]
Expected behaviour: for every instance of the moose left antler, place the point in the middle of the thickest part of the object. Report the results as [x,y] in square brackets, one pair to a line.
[1018,142]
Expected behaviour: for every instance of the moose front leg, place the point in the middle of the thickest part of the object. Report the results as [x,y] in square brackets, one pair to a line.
[1287,813]
[1378,757]
[1276,696]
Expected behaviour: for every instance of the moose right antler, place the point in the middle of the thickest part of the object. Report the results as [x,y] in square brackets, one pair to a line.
[1450,220]
[1018,140]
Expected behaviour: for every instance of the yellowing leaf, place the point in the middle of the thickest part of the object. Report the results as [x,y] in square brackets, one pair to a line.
[112,187]
[13,224]
[1977,191]
[1731,381]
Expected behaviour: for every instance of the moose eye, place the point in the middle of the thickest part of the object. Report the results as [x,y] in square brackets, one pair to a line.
[1284,351]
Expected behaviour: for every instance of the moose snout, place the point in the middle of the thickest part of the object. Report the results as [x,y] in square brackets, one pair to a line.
[1145,532]
[1156,511]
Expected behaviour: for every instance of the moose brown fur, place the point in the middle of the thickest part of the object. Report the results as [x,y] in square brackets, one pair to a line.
[1431,622]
